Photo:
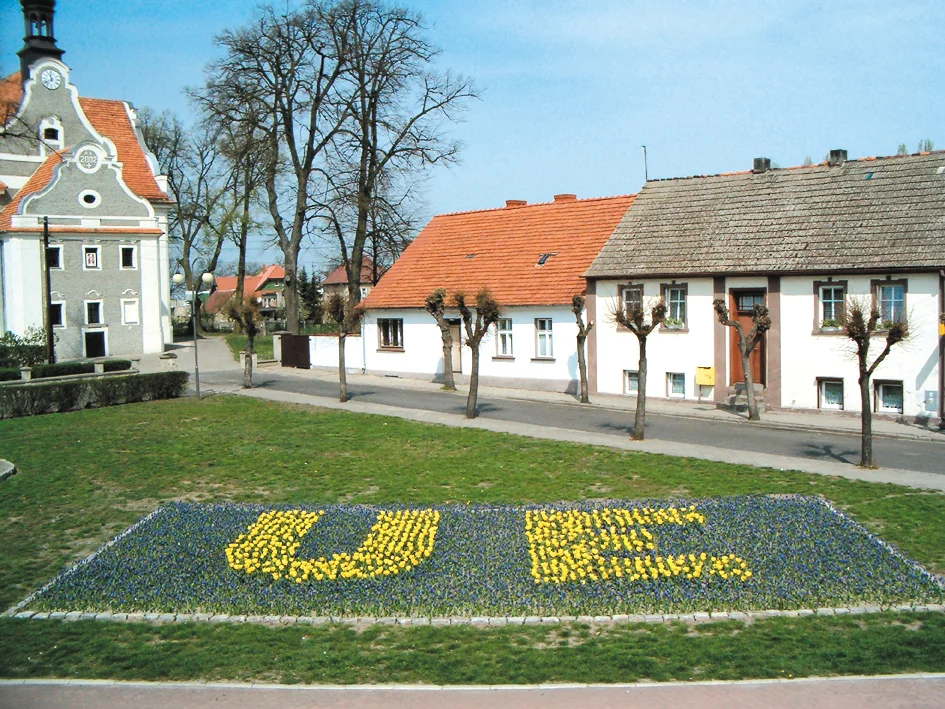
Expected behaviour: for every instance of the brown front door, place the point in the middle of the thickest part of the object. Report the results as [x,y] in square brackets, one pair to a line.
[457,349]
[741,303]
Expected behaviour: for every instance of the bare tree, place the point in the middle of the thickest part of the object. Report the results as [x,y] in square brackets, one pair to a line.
[747,342]
[577,307]
[435,305]
[338,311]
[280,74]
[488,312]
[245,311]
[859,323]
[633,317]
[395,107]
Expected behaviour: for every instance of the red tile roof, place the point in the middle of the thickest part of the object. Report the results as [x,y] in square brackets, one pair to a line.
[38,180]
[218,299]
[252,283]
[11,94]
[340,275]
[500,249]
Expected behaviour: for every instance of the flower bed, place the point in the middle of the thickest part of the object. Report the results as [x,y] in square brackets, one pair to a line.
[738,553]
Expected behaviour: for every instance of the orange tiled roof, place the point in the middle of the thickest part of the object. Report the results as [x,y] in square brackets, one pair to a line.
[252,283]
[11,93]
[38,180]
[340,276]
[500,249]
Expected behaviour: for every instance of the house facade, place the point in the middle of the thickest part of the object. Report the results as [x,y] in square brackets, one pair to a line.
[266,286]
[805,242]
[530,257]
[336,281]
[75,172]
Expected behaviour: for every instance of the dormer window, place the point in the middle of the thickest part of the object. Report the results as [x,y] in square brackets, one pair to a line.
[50,133]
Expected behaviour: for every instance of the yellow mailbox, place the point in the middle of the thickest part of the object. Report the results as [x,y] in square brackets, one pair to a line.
[705,376]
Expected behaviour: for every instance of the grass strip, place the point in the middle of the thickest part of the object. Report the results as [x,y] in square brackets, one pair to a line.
[776,647]
[261,343]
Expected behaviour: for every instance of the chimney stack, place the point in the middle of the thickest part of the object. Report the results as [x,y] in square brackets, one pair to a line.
[837,157]
[515,202]
[565,197]
[761,165]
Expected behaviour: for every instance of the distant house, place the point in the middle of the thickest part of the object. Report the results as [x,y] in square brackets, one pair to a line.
[337,280]
[531,257]
[79,164]
[266,286]
[801,241]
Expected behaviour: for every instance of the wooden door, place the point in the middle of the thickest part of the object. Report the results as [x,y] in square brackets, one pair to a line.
[457,350]
[741,303]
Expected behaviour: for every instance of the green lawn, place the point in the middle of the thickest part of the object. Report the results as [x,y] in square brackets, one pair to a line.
[86,476]
[261,343]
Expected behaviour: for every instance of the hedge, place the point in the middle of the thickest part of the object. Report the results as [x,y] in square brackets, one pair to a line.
[30,399]
[64,369]
[8,374]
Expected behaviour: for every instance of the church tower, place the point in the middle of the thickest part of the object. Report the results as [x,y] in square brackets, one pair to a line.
[39,41]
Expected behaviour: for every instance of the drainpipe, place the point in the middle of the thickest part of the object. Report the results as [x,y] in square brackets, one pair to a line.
[363,349]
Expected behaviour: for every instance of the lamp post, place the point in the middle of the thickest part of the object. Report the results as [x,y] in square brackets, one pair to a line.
[205,279]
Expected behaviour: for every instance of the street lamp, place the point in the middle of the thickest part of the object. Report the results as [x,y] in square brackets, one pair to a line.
[205,279]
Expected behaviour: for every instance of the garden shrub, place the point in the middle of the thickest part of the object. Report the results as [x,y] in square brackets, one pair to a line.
[62,369]
[117,365]
[29,399]
[9,374]
[23,351]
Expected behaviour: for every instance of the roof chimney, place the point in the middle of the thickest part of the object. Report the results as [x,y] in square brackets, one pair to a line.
[761,165]
[515,203]
[565,197]
[837,157]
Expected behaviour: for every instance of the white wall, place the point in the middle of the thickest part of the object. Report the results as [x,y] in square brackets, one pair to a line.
[807,355]
[668,350]
[22,283]
[422,354]
[323,351]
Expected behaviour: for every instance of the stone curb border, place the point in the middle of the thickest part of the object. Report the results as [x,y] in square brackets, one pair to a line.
[7,469]
[480,621]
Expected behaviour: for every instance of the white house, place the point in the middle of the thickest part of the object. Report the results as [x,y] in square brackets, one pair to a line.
[803,241]
[80,165]
[531,257]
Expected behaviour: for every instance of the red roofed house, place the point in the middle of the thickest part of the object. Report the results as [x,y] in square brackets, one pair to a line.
[266,285]
[81,164]
[531,257]
[337,280]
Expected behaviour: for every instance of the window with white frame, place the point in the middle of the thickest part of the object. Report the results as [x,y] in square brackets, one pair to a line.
[889,397]
[129,311]
[91,258]
[503,341]
[832,299]
[891,302]
[831,393]
[674,296]
[631,382]
[93,312]
[54,257]
[390,333]
[543,343]
[631,298]
[129,257]
[676,384]
[57,313]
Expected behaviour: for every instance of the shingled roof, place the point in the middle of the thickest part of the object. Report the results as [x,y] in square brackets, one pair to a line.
[502,250]
[873,214]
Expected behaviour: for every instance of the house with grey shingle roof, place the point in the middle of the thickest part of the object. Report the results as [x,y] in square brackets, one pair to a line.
[801,240]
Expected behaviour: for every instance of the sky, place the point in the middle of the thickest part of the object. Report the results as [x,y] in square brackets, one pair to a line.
[570,91]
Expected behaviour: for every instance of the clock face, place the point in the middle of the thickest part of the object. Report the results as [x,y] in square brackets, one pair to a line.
[50,79]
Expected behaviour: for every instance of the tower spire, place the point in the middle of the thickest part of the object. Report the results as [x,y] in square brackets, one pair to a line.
[39,41]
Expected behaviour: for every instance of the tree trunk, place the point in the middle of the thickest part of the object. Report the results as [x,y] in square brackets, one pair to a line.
[473,383]
[866,421]
[248,366]
[342,375]
[449,383]
[582,368]
[639,419]
[753,414]
[290,292]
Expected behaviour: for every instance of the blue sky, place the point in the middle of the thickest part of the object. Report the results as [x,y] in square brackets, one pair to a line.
[571,90]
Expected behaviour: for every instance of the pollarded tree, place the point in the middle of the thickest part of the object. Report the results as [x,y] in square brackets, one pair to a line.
[435,304]
[339,312]
[245,311]
[747,341]
[577,307]
[859,327]
[633,317]
[488,312]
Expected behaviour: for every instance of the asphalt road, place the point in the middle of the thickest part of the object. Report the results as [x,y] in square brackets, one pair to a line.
[924,456]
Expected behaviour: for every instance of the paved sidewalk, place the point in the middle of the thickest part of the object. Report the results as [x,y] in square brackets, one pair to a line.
[894,692]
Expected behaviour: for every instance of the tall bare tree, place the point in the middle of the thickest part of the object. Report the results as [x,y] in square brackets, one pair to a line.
[395,105]
[488,312]
[280,72]
[747,341]
[860,321]
[633,317]
[436,306]
[577,307]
